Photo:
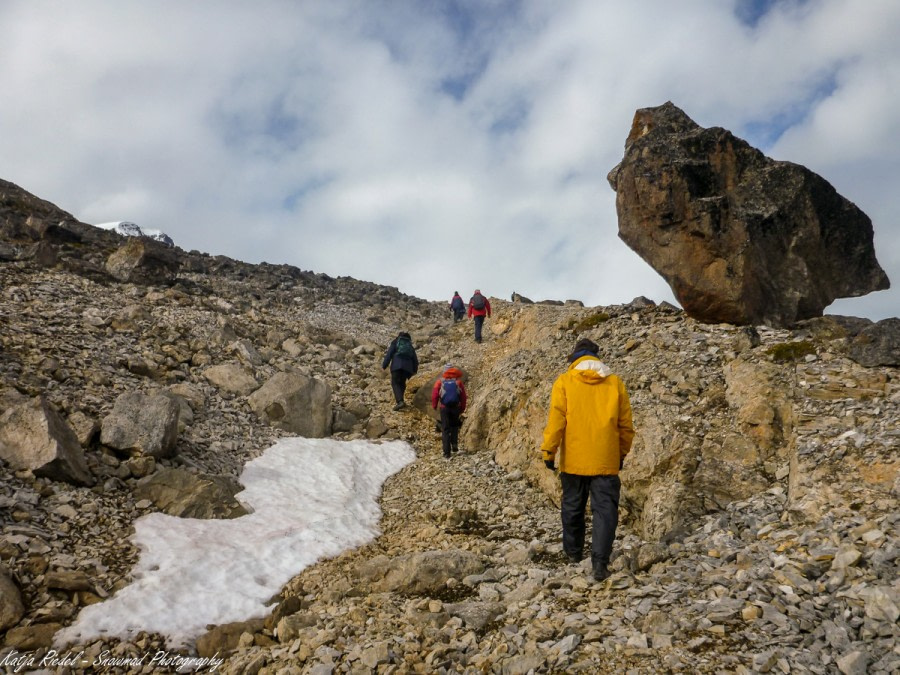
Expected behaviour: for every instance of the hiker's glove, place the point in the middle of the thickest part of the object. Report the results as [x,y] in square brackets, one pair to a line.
[549,464]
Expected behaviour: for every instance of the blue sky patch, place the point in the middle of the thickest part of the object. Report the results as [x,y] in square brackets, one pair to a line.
[765,133]
[751,12]
[268,126]
[290,202]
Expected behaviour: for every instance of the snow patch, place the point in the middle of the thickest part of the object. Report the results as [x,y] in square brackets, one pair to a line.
[309,499]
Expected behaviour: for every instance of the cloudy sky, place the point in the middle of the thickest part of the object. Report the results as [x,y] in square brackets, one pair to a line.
[434,145]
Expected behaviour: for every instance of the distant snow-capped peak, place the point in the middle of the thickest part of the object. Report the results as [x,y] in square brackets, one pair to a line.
[127,229]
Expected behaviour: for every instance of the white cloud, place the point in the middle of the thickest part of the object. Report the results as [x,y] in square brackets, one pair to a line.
[378,139]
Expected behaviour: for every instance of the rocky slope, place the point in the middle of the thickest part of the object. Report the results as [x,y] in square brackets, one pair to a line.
[760,522]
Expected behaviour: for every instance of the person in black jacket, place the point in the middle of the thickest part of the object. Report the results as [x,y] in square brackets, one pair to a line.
[401,355]
[458,307]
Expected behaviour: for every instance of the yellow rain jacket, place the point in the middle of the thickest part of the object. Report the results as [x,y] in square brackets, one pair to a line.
[589,421]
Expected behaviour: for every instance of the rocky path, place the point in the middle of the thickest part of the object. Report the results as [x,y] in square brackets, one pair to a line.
[468,577]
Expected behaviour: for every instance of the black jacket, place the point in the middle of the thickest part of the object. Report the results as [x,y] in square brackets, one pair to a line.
[410,365]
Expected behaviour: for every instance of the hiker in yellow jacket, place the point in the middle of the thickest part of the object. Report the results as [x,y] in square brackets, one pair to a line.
[590,425]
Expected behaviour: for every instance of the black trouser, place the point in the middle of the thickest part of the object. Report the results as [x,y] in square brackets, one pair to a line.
[604,494]
[398,383]
[479,322]
[458,314]
[450,429]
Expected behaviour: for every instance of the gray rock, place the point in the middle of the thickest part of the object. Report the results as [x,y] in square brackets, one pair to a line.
[650,554]
[376,655]
[33,436]
[223,640]
[476,615]
[523,664]
[11,607]
[344,420]
[85,428]
[187,495]
[881,603]
[142,423]
[232,377]
[376,427]
[31,638]
[877,344]
[420,573]
[853,663]
[295,403]
[291,626]
[68,580]
[246,352]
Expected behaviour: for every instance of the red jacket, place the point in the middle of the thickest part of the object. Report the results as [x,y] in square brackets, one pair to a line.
[480,312]
[454,374]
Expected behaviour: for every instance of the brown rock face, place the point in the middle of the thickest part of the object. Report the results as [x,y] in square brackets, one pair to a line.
[739,237]
[143,261]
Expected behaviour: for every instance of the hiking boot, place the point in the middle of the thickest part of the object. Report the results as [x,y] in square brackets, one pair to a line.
[601,572]
[400,406]
[455,448]
[446,456]
[574,558]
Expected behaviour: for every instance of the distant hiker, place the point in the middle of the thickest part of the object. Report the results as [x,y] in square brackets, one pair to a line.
[401,355]
[590,423]
[450,394]
[479,307]
[457,306]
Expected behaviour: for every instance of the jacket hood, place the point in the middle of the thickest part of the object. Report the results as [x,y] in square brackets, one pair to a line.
[452,373]
[590,369]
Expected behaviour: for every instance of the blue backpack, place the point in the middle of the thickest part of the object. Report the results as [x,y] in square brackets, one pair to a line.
[449,392]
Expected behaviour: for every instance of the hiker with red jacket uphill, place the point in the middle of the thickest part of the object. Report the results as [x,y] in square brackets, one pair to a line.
[450,394]
[479,307]
[404,362]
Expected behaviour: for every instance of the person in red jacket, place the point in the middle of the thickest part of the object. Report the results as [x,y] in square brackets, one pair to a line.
[479,307]
[450,394]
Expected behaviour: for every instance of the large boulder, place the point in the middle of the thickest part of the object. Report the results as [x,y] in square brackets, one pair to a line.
[34,436]
[145,424]
[143,261]
[295,403]
[740,238]
[181,493]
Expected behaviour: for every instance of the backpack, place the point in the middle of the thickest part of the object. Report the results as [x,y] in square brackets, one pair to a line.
[478,301]
[457,303]
[449,392]
[404,348]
